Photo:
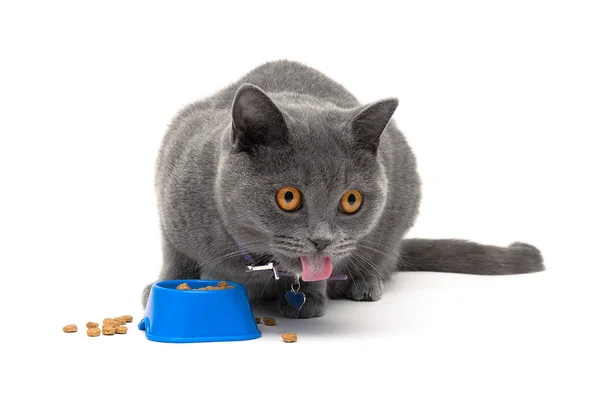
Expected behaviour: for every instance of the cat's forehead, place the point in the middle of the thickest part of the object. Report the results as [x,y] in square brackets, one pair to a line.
[303,111]
[318,130]
[317,159]
[321,150]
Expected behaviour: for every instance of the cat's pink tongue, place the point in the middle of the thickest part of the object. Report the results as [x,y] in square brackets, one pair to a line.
[315,268]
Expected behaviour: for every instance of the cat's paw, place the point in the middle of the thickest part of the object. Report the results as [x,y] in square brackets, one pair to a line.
[314,306]
[363,289]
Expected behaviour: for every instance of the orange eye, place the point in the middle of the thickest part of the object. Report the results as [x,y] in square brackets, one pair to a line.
[350,202]
[289,198]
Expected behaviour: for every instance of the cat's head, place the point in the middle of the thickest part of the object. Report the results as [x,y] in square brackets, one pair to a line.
[302,182]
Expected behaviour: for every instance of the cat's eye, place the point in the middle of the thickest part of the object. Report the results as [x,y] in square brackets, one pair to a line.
[289,198]
[350,202]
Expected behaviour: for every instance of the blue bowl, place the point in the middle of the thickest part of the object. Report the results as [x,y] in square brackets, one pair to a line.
[185,316]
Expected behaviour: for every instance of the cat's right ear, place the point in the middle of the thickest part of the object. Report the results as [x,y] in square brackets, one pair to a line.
[256,120]
[370,122]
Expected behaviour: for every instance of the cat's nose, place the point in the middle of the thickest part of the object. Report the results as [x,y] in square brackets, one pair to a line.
[320,244]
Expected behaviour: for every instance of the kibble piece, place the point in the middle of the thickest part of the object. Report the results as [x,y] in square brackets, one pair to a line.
[128,318]
[183,286]
[70,328]
[269,321]
[120,320]
[108,330]
[91,325]
[289,337]
[121,329]
[257,320]
[222,284]
[93,332]
[110,321]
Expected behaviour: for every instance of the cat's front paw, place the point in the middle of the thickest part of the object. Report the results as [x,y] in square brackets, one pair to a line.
[359,289]
[314,306]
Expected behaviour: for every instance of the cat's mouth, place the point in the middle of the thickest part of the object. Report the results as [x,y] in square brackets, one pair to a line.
[316,267]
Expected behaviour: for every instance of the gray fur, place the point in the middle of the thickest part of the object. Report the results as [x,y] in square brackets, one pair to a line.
[221,165]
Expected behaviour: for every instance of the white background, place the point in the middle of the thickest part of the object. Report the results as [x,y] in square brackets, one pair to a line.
[499,101]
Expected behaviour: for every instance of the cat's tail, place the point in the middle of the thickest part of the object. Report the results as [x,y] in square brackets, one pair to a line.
[460,256]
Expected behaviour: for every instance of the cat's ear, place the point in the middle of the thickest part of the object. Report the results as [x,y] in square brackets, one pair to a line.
[370,121]
[256,120]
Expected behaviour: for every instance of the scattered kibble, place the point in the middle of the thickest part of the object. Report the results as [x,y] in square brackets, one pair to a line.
[93,332]
[128,318]
[268,321]
[110,321]
[257,320]
[110,326]
[289,337]
[108,330]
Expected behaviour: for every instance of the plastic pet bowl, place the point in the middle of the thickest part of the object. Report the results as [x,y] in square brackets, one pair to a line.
[185,316]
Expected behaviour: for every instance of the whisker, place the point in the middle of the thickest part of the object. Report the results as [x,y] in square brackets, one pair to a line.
[354,268]
[289,242]
[284,237]
[357,268]
[283,246]
[213,261]
[381,245]
[371,265]
[387,254]
[264,287]
[404,263]
[284,250]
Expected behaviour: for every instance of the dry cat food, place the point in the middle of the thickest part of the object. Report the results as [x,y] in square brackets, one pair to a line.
[128,318]
[108,330]
[220,286]
[93,332]
[289,337]
[110,326]
[268,321]
[110,321]
[70,328]
[257,320]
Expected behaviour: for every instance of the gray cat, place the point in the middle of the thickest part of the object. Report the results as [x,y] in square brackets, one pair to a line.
[285,165]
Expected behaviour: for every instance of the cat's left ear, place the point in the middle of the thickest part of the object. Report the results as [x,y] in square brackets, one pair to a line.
[370,121]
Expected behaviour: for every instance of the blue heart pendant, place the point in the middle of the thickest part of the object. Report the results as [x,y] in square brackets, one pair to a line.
[296,299]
